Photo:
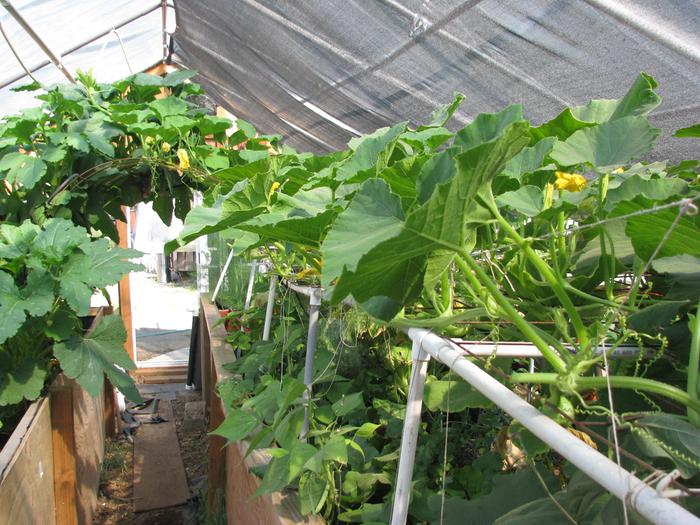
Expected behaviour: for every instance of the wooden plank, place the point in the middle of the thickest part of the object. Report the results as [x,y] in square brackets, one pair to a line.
[63,445]
[159,474]
[239,483]
[110,411]
[161,374]
[89,436]
[26,470]
[125,292]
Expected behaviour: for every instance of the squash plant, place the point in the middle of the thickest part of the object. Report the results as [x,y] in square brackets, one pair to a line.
[560,234]
[66,168]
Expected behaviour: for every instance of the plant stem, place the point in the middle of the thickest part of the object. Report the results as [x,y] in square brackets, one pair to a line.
[467,263]
[548,275]
[694,368]
[629,383]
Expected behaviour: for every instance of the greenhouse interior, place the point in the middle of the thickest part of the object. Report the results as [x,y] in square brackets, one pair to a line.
[349,262]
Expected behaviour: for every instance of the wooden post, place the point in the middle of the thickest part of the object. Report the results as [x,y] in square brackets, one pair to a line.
[216,475]
[125,291]
[63,444]
[111,412]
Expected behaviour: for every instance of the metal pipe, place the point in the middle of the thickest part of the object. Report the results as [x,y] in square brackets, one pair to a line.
[84,43]
[312,336]
[409,437]
[270,306]
[39,41]
[523,349]
[164,17]
[619,482]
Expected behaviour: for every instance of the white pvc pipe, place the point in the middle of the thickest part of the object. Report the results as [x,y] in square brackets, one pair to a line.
[311,338]
[222,276]
[269,308]
[409,436]
[617,481]
[251,283]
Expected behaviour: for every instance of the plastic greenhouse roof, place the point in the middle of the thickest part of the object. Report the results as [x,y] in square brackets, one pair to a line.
[321,71]
[66,24]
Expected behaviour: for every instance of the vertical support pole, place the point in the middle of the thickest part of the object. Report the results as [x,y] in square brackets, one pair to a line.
[164,18]
[270,306]
[409,438]
[312,336]
[251,283]
[205,355]
[63,444]
[216,475]
[125,290]
[111,420]
[222,276]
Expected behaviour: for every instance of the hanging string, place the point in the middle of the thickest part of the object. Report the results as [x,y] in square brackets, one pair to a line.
[444,452]
[613,419]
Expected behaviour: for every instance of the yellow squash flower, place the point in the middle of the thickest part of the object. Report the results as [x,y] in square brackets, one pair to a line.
[183,158]
[618,170]
[150,140]
[569,181]
[273,188]
[165,147]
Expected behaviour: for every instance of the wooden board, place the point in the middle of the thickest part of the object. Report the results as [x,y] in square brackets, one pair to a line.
[26,470]
[159,475]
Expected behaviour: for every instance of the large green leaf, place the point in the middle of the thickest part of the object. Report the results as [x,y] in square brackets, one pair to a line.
[391,272]
[487,126]
[343,247]
[609,144]
[313,490]
[639,100]
[371,152]
[168,106]
[529,159]
[656,189]
[58,239]
[452,396]
[88,359]
[246,200]
[23,169]
[562,127]
[35,299]
[443,113]
[22,381]
[237,425]
[647,231]
[528,200]
[669,436]
[301,218]
[98,266]
[689,132]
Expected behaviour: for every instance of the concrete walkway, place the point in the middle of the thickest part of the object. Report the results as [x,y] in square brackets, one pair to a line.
[162,316]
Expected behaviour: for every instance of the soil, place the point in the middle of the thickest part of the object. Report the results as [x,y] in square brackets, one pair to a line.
[115,505]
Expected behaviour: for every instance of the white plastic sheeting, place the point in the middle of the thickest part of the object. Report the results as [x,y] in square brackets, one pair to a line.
[65,25]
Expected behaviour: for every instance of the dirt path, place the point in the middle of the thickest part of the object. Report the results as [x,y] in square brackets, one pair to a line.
[115,506]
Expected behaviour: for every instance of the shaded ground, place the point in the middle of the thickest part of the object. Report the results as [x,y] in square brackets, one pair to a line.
[115,505]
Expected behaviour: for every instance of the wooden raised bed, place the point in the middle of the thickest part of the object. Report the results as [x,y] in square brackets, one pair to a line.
[230,472]
[50,467]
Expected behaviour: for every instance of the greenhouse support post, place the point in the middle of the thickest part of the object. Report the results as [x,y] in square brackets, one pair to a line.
[251,283]
[269,307]
[312,336]
[619,482]
[222,276]
[409,437]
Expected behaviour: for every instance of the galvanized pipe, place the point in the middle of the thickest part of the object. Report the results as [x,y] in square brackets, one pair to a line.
[311,338]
